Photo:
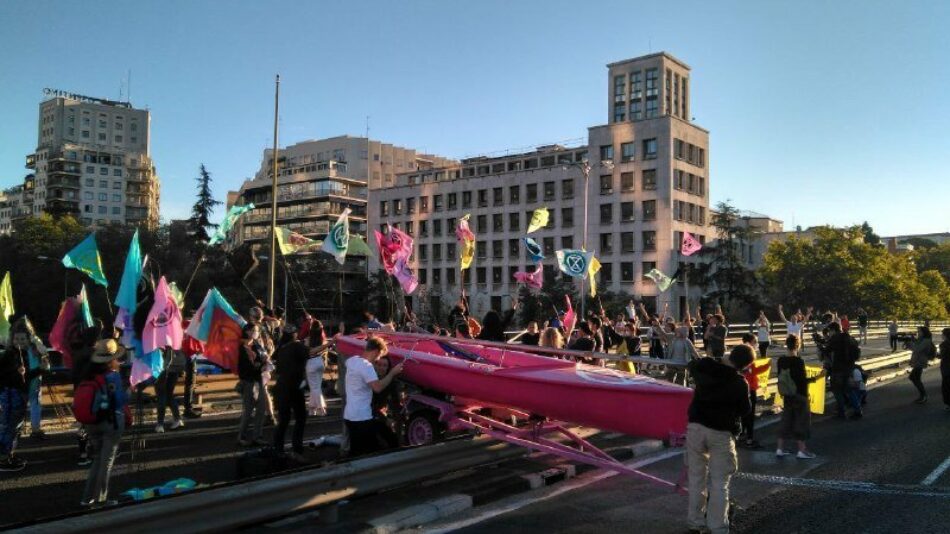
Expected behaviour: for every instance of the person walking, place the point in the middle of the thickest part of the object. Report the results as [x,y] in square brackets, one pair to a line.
[924,351]
[719,402]
[863,326]
[892,334]
[291,360]
[844,352]
[945,368]
[361,382]
[796,412]
[112,416]
[251,360]
[165,389]
[316,364]
[14,384]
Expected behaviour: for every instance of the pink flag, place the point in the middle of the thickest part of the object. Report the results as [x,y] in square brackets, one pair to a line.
[407,278]
[570,319]
[533,279]
[163,325]
[463,232]
[385,255]
[400,243]
[141,371]
[66,329]
[690,245]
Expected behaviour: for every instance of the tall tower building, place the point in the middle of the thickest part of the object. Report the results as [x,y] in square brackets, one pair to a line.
[93,161]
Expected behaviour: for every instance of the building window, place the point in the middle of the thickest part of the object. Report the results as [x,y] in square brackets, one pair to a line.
[548,245]
[649,148]
[606,244]
[423,252]
[626,181]
[116,198]
[90,182]
[497,222]
[410,206]
[652,88]
[606,184]
[453,201]
[117,172]
[397,206]
[450,251]
[102,137]
[649,210]
[424,204]
[480,249]
[567,189]
[90,169]
[606,273]
[701,158]
[497,249]
[514,223]
[496,277]
[620,112]
[531,192]
[482,198]
[480,275]
[103,184]
[649,179]
[450,276]
[411,227]
[514,194]
[513,248]
[383,208]
[606,213]
[436,277]
[87,195]
[118,139]
[567,241]
[649,240]
[481,223]
[549,191]
[626,211]
[437,227]
[437,251]
[498,196]
[626,242]
[424,228]
[647,267]
[567,217]
[627,152]
[437,202]
[651,107]
[636,85]
[466,199]
[620,86]
[85,134]
[607,153]
[626,271]
[636,110]
[104,171]
[103,210]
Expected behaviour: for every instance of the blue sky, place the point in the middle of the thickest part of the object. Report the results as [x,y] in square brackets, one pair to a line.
[819,112]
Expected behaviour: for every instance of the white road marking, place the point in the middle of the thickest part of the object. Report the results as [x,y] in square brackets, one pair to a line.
[933,476]
[845,485]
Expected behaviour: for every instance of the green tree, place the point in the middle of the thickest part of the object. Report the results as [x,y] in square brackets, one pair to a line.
[539,305]
[937,303]
[934,258]
[869,236]
[921,243]
[724,275]
[204,207]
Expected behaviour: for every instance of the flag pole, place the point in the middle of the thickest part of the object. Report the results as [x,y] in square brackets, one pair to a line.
[273,193]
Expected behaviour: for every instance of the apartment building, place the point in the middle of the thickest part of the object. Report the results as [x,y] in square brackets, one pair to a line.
[648,181]
[92,160]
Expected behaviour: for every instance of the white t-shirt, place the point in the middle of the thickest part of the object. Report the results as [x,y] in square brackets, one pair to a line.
[359,396]
[764,333]
[794,328]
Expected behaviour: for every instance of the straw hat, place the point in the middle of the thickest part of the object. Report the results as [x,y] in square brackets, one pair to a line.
[106,350]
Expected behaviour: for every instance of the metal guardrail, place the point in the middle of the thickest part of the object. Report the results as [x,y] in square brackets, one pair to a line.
[241,504]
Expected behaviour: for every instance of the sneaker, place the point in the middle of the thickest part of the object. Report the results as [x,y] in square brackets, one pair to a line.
[318,442]
[804,455]
[87,503]
[39,435]
[84,461]
[780,453]
[159,428]
[921,400]
[176,424]
[12,463]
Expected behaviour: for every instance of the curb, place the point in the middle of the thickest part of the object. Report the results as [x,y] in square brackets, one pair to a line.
[420,514]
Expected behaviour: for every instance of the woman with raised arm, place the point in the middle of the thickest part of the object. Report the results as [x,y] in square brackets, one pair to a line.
[763,333]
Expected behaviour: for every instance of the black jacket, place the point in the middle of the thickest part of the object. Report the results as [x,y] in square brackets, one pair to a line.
[795,366]
[10,362]
[248,368]
[291,363]
[842,359]
[721,397]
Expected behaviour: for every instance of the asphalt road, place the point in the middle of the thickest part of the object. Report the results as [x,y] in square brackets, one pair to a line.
[877,464]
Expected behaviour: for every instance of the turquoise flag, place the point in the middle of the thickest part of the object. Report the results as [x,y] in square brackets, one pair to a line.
[338,238]
[130,277]
[85,257]
[573,262]
[225,227]
[86,311]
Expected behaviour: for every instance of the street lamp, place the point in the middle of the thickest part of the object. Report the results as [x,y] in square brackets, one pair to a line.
[584,166]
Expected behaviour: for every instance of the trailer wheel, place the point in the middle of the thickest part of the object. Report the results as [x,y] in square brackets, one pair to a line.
[424,428]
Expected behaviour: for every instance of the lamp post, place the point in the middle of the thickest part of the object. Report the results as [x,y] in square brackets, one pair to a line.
[584,166]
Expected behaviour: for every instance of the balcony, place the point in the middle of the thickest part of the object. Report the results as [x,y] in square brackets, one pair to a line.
[62,180]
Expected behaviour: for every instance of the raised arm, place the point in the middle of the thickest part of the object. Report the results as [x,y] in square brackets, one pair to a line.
[808,312]
[781,314]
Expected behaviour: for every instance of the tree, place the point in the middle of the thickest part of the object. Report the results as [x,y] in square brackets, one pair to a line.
[539,305]
[934,258]
[921,243]
[937,303]
[869,236]
[733,284]
[203,209]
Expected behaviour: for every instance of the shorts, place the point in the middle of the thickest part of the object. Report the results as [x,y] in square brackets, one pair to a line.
[796,419]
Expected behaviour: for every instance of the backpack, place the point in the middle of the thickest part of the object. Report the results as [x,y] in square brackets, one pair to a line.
[786,384]
[91,401]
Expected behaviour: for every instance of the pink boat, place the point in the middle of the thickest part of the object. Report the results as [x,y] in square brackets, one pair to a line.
[494,375]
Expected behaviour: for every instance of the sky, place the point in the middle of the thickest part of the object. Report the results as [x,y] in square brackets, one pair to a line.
[818,112]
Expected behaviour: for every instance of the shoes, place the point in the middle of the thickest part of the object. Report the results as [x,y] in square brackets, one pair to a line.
[751,444]
[297,457]
[780,453]
[192,415]
[12,463]
[160,428]
[87,503]
[176,424]
[39,435]
[921,400]
[316,443]
[84,461]
[804,455]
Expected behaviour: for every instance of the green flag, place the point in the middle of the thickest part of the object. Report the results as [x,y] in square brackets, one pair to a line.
[6,307]
[357,246]
[225,227]
[86,310]
[662,281]
[338,238]
[85,257]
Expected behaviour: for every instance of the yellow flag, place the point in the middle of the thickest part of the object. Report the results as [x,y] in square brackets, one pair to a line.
[592,269]
[6,307]
[816,391]
[468,253]
[539,219]
[763,373]
[290,242]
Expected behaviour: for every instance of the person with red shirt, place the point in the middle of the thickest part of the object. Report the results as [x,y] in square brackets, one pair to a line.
[751,376]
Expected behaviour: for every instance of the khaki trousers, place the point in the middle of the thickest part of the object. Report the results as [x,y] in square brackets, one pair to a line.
[711,461]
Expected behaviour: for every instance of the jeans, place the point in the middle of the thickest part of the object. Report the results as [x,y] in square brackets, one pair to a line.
[253,406]
[844,394]
[36,404]
[290,402]
[764,348]
[12,412]
[191,370]
[893,340]
[748,420]
[104,441]
[915,375]
[165,391]
[315,367]
[362,437]
[711,462]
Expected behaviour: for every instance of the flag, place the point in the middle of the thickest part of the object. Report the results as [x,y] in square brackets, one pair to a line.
[690,245]
[466,254]
[338,238]
[6,307]
[221,233]
[539,219]
[357,246]
[535,252]
[400,243]
[291,242]
[126,299]
[467,242]
[570,318]
[662,281]
[533,279]
[574,262]
[177,295]
[592,271]
[406,276]
[85,257]
[145,365]
[218,326]
[163,324]
[86,314]
[385,255]
[816,391]
[65,329]
[462,231]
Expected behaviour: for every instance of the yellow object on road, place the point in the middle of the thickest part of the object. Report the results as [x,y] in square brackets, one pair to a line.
[816,391]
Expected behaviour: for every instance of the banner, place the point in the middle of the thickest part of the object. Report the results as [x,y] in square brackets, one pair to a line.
[466,242]
[662,281]
[535,252]
[85,257]
[539,219]
[358,247]
[221,233]
[534,279]
[574,262]
[86,314]
[690,245]
[592,271]
[338,238]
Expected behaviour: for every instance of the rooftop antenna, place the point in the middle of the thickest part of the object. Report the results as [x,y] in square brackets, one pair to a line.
[128,88]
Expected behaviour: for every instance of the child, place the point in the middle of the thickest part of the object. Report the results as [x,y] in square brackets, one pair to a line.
[858,382]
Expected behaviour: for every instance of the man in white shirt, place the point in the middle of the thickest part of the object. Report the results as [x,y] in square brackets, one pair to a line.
[361,382]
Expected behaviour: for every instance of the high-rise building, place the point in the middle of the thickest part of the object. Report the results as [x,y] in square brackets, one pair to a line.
[93,161]
[628,196]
